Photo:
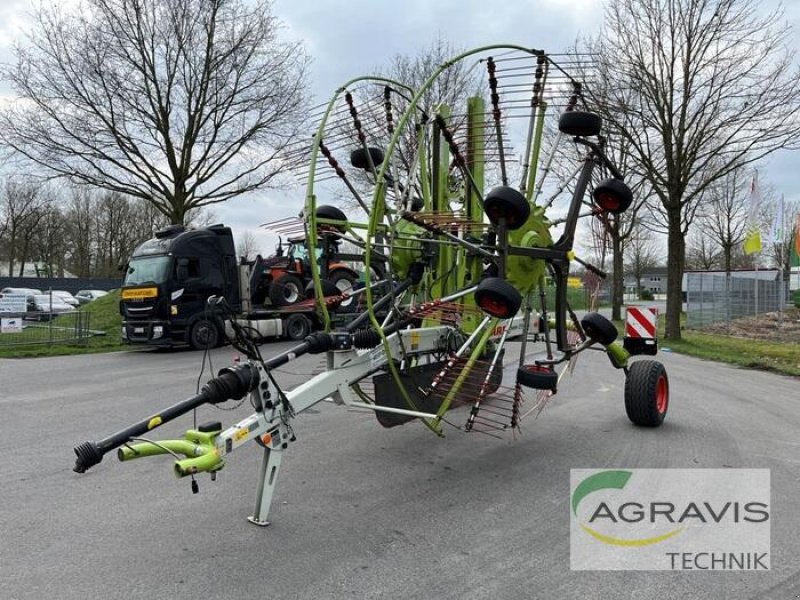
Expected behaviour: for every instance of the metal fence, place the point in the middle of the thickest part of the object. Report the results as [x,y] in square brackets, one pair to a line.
[44,328]
[717,298]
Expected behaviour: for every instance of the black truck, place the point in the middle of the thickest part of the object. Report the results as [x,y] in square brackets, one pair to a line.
[169,279]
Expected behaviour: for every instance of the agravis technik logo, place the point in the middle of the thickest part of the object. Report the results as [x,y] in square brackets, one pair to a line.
[705,519]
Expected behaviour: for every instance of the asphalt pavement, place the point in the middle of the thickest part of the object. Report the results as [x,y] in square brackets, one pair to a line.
[362,511]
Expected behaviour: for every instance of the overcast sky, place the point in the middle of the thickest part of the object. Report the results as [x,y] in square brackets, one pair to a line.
[349,38]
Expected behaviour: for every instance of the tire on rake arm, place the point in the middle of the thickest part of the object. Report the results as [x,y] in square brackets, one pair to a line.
[579,123]
[598,328]
[498,298]
[537,377]
[647,393]
[613,195]
[505,202]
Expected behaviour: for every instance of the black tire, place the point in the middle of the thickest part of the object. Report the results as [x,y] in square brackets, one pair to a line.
[646,393]
[286,291]
[537,377]
[345,282]
[358,158]
[508,203]
[328,289]
[331,213]
[598,328]
[579,123]
[203,334]
[613,195]
[296,327]
[498,298]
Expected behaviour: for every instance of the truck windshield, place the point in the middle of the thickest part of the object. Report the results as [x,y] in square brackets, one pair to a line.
[149,269]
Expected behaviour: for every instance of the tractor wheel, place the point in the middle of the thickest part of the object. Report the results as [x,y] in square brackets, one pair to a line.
[328,289]
[296,327]
[345,282]
[537,377]
[613,195]
[286,291]
[505,202]
[647,393]
[598,328]
[498,298]
[579,123]
[204,334]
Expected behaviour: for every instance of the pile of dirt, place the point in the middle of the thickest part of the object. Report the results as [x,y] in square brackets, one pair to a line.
[768,326]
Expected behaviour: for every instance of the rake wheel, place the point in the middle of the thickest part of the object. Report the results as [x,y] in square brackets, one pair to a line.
[440,196]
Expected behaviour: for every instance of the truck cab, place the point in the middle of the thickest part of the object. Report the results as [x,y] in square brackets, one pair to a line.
[168,280]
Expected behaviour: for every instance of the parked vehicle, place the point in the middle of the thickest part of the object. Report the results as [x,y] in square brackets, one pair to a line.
[25,291]
[86,296]
[43,307]
[66,297]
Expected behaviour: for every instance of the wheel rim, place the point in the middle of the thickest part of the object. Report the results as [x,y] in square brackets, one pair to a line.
[205,335]
[662,395]
[296,328]
[345,286]
[290,293]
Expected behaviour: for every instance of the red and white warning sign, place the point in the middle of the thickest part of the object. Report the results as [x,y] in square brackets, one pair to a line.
[640,322]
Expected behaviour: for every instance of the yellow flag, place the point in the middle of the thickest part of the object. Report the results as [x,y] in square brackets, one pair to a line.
[752,242]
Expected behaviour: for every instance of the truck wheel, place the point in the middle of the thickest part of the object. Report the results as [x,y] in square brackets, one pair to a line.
[647,393]
[345,282]
[204,334]
[296,327]
[286,291]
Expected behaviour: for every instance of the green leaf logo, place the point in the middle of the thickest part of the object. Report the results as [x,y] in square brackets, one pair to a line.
[611,480]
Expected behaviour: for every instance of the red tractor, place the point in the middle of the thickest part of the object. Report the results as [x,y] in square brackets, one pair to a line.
[285,278]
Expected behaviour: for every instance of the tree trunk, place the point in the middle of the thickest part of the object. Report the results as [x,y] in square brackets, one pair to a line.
[728,250]
[676,249]
[618,283]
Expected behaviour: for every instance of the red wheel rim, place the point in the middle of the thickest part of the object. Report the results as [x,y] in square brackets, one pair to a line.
[662,395]
[493,306]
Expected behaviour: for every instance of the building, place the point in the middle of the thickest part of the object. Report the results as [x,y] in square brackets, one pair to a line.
[653,280]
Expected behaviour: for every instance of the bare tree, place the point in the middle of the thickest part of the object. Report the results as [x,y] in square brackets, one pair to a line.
[723,214]
[641,254]
[449,91]
[79,216]
[247,246]
[698,88]
[22,207]
[49,241]
[702,253]
[182,103]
